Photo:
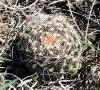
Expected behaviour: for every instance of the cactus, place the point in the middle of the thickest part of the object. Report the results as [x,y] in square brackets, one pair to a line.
[54,39]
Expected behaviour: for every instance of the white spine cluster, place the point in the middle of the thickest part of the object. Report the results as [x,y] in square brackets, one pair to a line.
[52,36]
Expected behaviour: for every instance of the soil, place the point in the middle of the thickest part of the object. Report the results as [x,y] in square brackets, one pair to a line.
[23,63]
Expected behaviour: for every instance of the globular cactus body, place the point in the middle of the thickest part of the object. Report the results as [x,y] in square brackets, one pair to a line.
[54,37]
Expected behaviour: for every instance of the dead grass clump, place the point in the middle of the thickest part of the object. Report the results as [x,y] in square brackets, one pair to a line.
[57,41]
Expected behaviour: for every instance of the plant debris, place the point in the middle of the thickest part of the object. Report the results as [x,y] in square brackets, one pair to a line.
[50,44]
